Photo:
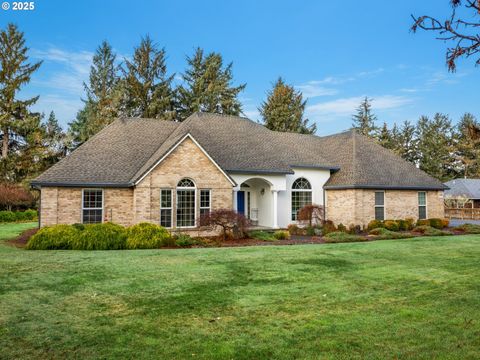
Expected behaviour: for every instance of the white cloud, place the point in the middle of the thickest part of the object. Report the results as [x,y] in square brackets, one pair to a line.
[65,108]
[313,89]
[347,106]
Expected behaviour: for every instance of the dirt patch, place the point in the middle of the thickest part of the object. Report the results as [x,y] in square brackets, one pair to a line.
[21,240]
[295,240]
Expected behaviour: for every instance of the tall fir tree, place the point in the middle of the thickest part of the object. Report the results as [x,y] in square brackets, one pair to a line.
[468,146]
[54,140]
[406,142]
[102,103]
[208,86]
[435,146]
[364,119]
[146,87]
[384,137]
[15,72]
[284,110]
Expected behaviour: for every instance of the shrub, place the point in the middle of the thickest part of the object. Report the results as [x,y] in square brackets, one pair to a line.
[31,214]
[445,223]
[402,225]
[281,235]
[310,231]
[293,229]
[147,236]
[410,223]
[328,227]
[106,236]
[7,216]
[429,231]
[375,224]
[55,237]
[341,237]
[184,240]
[355,229]
[14,196]
[423,222]
[341,228]
[469,228]
[391,225]
[261,235]
[384,234]
[436,223]
[229,220]
[312,214]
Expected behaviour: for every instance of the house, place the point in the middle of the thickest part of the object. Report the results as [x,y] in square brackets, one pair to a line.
[170,173]
[463,193]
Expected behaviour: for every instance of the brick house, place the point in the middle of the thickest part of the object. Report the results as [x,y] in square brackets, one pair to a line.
[169,173]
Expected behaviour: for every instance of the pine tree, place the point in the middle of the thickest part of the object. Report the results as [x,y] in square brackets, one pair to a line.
[54,140]
[364,119]
[284,110]
[208,86]
[468,145]
[384,137]
[435,146]
[15,72]
[146,87]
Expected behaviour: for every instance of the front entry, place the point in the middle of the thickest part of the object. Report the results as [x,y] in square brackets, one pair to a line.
[241,202]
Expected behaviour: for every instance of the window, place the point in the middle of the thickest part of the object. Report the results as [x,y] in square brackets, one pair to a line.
[166,208]
[92,206]
[301,196]
[186,203]
[204,202]
[379,205]
[422,205]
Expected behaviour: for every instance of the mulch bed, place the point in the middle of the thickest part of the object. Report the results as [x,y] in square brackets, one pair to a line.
[21,240]
[295,240]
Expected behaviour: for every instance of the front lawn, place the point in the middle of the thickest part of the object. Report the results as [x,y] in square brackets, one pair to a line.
[414,298]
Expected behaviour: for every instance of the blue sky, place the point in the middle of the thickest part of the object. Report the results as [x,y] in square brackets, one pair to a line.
[336,52]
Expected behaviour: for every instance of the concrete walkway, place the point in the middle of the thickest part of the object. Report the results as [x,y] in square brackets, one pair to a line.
[457,222]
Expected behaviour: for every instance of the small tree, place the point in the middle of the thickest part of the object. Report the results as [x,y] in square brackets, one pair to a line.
[228,220]
[314,214]
[14,196]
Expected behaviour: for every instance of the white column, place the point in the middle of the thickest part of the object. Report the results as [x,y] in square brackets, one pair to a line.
[235,206]
[275,208]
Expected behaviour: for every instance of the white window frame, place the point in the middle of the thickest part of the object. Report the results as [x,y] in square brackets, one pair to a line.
[426,205]
[382,206]
[167,208]
[209,201]
[292,190]
[103,203]
[194,188]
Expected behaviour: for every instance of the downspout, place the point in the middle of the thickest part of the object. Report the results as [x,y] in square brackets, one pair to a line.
[324,206]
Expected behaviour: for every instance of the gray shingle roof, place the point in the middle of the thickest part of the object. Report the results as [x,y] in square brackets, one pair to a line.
[469,188]
[124,151]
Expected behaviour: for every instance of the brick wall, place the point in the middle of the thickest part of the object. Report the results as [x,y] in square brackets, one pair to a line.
[357,206]
[131,206]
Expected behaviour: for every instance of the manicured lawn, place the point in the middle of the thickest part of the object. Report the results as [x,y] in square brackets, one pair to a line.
[8,231]
[415,298]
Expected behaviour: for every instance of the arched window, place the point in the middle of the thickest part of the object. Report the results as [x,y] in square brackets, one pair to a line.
[186,194]
[301,196]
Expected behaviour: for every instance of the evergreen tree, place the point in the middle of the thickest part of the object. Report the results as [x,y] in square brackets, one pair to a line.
[406,142]
[364,119]
[54,141]
[468,145]
[15,72]
[385,138]
[208,87]
[283,110]
[146,87]
[435,146]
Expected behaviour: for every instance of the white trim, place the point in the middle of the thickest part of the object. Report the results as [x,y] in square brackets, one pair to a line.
[167,208]
[209,201]
[292,190]
[103,203]
[188,135]
[195,204]
[382,206]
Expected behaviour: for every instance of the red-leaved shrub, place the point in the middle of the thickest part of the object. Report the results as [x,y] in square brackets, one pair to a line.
[229,221]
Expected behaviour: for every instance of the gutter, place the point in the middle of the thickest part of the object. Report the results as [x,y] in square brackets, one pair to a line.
[37,185]
[383,187]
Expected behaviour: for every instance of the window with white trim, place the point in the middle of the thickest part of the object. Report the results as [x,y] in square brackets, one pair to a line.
[379,205]
[186,203]
[166,208]
[92,206]
[205,201]
[422,205]
[301,196]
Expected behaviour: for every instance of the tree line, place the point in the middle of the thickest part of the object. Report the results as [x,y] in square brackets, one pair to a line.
[437,146]
[141,86]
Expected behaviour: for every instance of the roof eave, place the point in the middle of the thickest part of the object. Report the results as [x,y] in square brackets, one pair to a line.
[384,187]
[37,184]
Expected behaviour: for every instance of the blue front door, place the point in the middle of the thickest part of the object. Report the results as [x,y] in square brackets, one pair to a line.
[241,202]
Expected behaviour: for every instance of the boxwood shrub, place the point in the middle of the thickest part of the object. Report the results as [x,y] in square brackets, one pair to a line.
[148,236]
[57,237]
[105,236]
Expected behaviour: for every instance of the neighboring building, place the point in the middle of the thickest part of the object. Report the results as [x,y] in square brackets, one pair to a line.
[169,173]
[463,193]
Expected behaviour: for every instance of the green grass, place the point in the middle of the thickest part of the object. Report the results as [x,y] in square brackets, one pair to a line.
[8,231]
[415,298]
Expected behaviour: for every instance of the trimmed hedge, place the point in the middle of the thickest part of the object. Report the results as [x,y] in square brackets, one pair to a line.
[148,236]
[17,216]
[58,237]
